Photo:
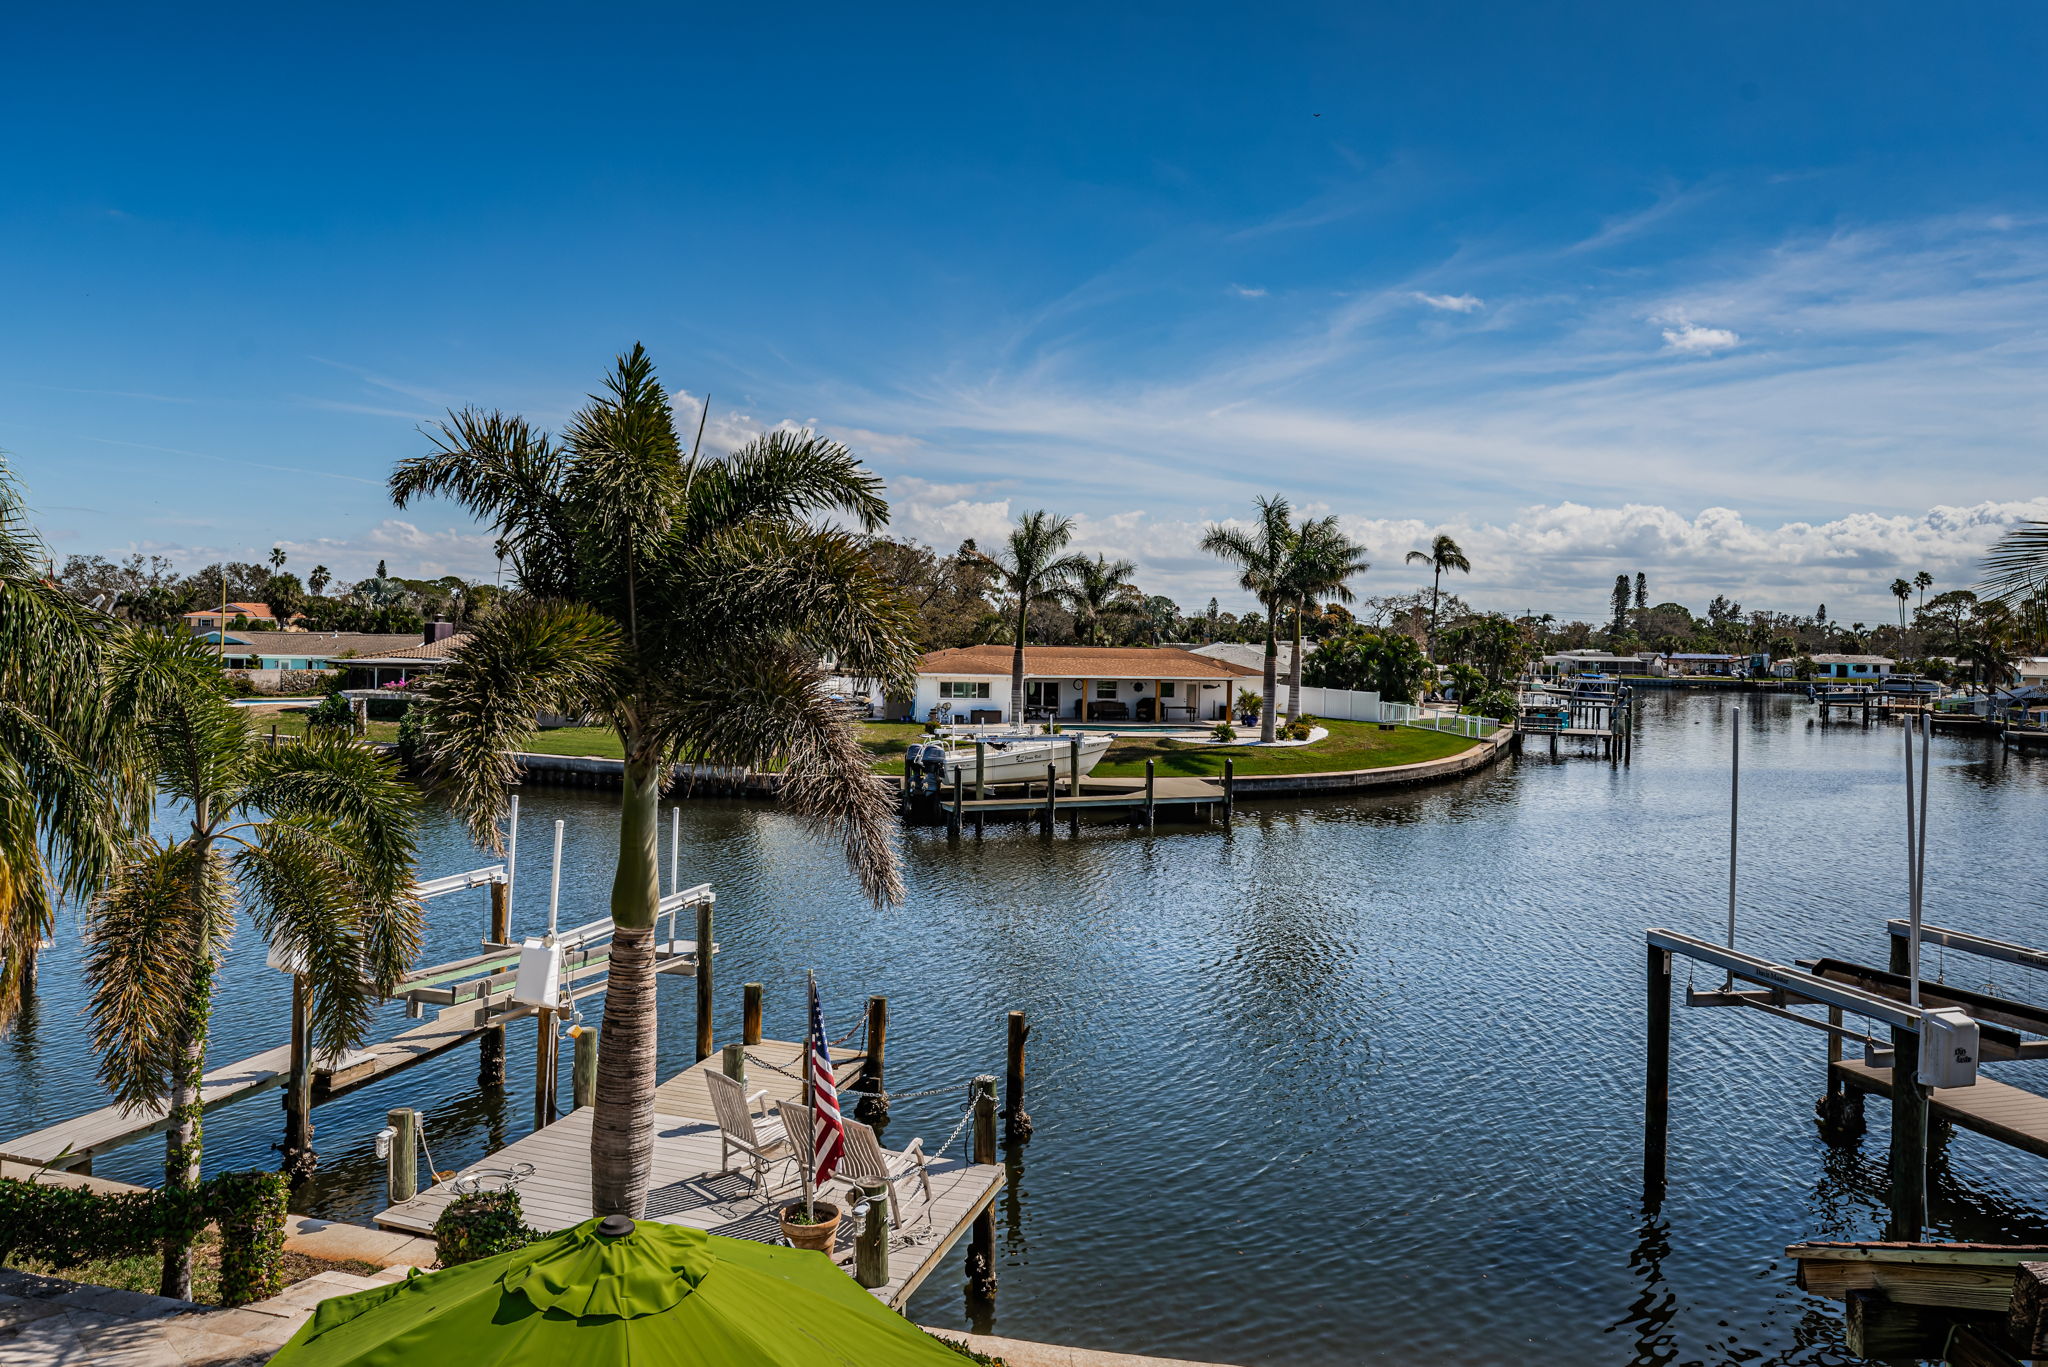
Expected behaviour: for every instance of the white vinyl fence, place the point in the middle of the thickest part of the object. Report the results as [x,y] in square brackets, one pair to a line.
[1455,723]
[1337,704]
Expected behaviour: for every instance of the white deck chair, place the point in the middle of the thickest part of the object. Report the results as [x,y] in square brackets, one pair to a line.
[867,1161]
[742,1125]
[799,1122]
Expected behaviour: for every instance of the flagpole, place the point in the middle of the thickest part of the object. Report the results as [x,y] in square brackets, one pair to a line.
[811,1177]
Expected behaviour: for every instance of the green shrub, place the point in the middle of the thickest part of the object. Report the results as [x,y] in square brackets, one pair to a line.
[66,1226]
[1298,728]
[334,712]
[1223,731]
[1498,703]
[481,1224]
[412,738]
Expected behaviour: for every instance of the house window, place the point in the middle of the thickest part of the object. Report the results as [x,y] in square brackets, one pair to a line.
[1106,689]
[1041,693]
[1166,689]
[954,689]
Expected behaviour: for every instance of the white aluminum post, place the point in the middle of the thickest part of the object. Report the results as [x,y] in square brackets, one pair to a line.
[1734,810]
[555,884]
[512,850]
[675,849]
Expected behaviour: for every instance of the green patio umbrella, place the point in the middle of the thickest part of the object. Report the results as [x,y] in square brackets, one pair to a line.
[613,1292]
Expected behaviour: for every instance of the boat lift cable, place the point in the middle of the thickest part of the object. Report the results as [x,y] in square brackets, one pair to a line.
[1734,818]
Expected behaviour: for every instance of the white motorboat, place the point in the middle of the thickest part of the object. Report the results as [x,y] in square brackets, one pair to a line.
[1007,757]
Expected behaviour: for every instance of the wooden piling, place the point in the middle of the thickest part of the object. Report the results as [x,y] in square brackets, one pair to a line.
[1909,1141]
[298,1093]
[1657,1076]
[1052,783]
[750,1013]
[544,1068]
[501,914]
[1149,782]
[953,817]
[733,1062]
[871,1241]
[273,735]
[401,1168]
[980,771]
[981,1249]
[704,958]
[1016,1120]
[490,1057]
[1229,790]
[583,1068]
[873,1105]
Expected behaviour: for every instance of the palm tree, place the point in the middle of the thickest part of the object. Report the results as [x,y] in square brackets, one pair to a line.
[688,602]
[1902,591]
[1443,554]
[69,790]
[1324,560]
[277,558]
[315,840]
[1097,589]
[1029,570]
[319,579]
[1922,581]
[1263,557]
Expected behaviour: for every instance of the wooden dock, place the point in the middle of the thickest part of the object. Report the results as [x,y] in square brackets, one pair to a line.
[1998,1109]
[688,1185]
[1097,794]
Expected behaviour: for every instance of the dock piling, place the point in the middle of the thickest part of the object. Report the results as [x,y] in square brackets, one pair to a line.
[1052,783]
[981,1249]
[750,1013]
[704,957]
[299,1160]
[873,1105]
[544,1068]
[401,1165]
[1657,1076]
[1229,791]
[490,1057]
[501,914]
[1016,1120]
[871,1242]
[953,816]
[733,1062]
[1149,785]
[583,1068]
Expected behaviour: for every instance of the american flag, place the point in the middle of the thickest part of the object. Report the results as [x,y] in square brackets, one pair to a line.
[828,1137]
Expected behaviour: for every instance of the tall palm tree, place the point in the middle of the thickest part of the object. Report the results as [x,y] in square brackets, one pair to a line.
[315,840]
[318,580]
[1263,557]
[688,602]
[1443,554]
[1029,570]
[1098,589]
[69,788]
[1902,591]
[1323,562]
[1922,581]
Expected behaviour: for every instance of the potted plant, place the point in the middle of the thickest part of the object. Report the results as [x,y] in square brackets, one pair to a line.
[810,1224]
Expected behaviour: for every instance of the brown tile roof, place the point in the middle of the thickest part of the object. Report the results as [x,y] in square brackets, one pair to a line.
[437,650]
[1084,662]
[333,645]
[243,609]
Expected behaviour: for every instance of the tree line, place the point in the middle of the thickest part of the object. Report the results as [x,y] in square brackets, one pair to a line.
[150,591]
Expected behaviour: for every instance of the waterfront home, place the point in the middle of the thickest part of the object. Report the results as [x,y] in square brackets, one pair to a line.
[257,615]
[1073,683]
[292,651]
[1600,662]
[1708,665]
[1839,667]
[406,663]
[1252,655]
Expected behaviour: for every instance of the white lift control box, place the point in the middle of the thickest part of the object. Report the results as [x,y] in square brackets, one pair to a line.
[1948,1049]
[540,974]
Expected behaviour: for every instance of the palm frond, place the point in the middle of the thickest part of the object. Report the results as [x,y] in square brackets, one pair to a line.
[509,474]
[296,877]
[154,937]
[784,476]
[525,657]
[2017,567]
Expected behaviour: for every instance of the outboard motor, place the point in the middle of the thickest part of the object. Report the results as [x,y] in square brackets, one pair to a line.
[935,768]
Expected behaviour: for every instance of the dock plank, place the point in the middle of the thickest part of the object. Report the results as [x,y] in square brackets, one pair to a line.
[1998,1109]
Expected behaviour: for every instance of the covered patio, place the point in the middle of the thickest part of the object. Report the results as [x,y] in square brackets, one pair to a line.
[1084,684]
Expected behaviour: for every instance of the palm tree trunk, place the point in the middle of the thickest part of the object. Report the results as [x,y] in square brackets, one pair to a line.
[622,1121]
[183,1137]
[1294,670]
[1017,661]
[1436,595]
[1272,663]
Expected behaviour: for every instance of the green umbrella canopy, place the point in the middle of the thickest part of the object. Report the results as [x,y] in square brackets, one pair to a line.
[662,1294]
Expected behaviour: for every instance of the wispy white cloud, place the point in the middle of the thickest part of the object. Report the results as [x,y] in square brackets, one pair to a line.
[1451,303]
[1247,292]
[1688,338]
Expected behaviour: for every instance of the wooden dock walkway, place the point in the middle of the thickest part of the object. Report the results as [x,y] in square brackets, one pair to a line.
[1097,794]
[1998,1109]
[689,1186]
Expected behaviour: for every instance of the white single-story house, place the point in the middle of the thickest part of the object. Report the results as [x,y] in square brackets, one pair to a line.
[409,661]
[1599,662]
[1073,683]
[1838,667]
[1704,663]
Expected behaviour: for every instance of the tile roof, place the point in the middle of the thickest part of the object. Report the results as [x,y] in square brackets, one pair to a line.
[1084,662]
[244,609]
[333,645]
[431,650]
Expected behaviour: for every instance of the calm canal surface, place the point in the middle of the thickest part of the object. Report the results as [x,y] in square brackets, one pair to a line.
[1357,1081]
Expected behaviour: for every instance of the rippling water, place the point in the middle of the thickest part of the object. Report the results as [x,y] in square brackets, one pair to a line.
[1357,1081]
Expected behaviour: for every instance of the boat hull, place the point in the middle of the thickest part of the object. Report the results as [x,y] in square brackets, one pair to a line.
[1025,761]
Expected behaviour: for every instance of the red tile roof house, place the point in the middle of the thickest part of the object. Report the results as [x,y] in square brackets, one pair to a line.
[1074,683]
[208,619]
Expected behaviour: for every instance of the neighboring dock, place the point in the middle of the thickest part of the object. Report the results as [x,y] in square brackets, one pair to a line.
[691,1185]
[1050,799]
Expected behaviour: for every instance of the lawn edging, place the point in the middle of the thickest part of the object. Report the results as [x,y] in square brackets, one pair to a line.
[1482,753]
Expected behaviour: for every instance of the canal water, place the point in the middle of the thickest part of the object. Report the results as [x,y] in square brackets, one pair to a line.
[1358,1081]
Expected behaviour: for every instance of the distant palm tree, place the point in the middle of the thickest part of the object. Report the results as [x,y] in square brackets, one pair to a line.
[277,558]
[1922,581]
[1902,591]
[319,579]
[1101,588]
[688,603]
[1323,562]
[69,788]
[315,838]
[1443,554]
[1264,557]
[1029,570]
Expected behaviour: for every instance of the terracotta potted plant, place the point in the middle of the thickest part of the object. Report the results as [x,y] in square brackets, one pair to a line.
[810,1224]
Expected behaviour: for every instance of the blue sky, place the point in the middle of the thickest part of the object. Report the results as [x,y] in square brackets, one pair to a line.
[1749,297]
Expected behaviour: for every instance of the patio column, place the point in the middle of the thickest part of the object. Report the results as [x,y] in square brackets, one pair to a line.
[1087,698]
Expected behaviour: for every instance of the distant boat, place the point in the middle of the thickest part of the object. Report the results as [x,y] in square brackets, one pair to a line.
[1009,758]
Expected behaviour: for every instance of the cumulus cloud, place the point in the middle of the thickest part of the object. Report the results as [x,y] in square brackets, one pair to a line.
[1688,338]
[1451,303]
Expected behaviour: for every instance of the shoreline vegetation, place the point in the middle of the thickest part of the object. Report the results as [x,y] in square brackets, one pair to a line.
[1350,746]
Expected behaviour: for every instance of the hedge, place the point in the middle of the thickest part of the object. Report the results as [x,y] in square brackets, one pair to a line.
[65,1225]
[481,1224]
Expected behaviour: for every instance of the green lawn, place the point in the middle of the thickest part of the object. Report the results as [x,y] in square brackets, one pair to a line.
[1350,745]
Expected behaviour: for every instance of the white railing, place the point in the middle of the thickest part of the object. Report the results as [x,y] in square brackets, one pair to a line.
[1450,723]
